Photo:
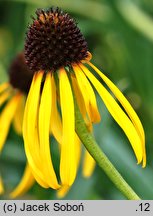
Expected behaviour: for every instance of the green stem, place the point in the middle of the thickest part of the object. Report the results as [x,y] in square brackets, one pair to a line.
[101,158]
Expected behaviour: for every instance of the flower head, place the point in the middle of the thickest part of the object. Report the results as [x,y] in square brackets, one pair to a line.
[20,77]
[57,53]
[12,95]
[53,41]
[12,98]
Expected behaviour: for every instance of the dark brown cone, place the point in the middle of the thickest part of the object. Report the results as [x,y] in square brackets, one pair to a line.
[53,40]
[19,74]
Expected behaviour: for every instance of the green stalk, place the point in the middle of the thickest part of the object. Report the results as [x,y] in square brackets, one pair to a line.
[101,159]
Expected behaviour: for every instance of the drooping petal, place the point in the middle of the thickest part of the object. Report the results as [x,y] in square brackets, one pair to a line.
[6,117]
[80,102]
[77,149]
[1,186]
[79,97]
[55,122]
[4,86]
[18,116]
[118,114]
[4,96]
[88,165]
[88,95]
[127,106]
[68,165]
[62,191]
[65,188]
[44,126]
[30,129]
[25,184]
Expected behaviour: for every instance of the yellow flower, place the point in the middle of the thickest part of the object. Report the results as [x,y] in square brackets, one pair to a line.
[57,53]
[1,186]
[12,97]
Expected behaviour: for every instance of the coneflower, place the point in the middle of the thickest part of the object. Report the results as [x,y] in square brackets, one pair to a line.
[12,100]
[57,53]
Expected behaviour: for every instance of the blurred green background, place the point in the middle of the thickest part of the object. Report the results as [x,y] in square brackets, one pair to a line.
[120,37]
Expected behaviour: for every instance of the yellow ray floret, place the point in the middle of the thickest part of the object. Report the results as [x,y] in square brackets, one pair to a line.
[119,115]
[62,191]
[68,164]
[88,95]
[1,186]
[25,184]
[65,188]
[4,96]
[55,121]
[18,116]
[88,165]
[30,130]
[80,102]
[79,97]
[77,144]
[4,86]
[44,126]
[6,117]
[127,106]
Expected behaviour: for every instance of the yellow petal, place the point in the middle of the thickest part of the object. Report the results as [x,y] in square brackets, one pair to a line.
[18,116]
[63,191]
[4,96]
[44,126]
[80,102]
[30,130]
[118,114]
[4,86]
[65,188]
[68,165]
[88,95]
[88,165]
[6,118]
[25,184]
[34,165]
[55,123]
[78,95]
[1,186]
[127,106]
